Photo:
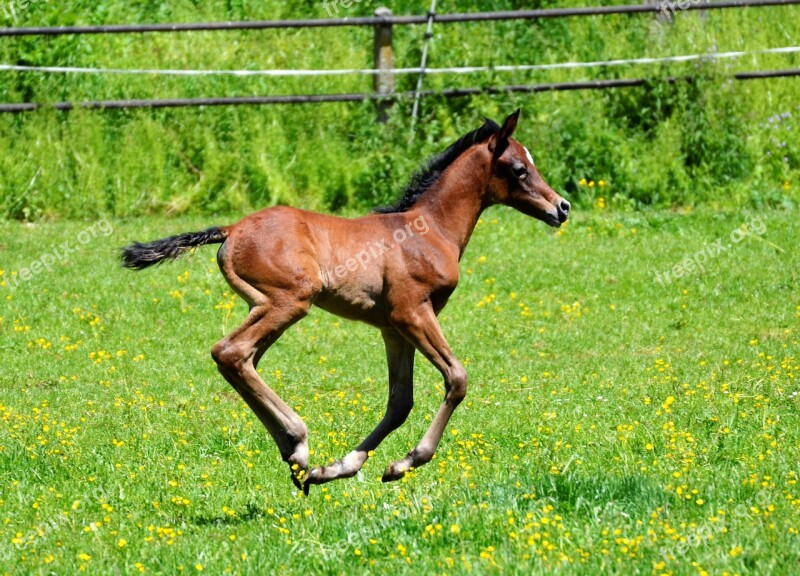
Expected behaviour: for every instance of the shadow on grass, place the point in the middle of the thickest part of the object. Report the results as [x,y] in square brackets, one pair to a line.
[602,496]
[251,513]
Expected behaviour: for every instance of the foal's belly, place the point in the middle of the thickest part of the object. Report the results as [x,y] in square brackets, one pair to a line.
[362,307]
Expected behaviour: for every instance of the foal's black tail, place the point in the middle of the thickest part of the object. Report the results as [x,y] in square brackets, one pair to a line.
[139,256]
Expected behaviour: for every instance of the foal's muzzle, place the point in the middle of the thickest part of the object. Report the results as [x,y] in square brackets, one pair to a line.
[562,209]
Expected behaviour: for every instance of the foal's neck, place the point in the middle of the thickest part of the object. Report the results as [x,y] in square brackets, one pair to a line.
[455,202]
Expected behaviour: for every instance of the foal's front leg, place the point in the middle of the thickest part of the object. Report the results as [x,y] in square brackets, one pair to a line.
[400,358]
[421,327]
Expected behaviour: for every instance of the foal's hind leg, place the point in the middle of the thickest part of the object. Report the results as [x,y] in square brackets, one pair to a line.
[237,355]
[421,327]
[400,358]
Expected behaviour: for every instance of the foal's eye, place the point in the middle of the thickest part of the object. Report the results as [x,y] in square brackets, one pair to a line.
[519,171]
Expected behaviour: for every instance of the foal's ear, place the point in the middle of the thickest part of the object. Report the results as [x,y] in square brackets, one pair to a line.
[509,126]
[499,142]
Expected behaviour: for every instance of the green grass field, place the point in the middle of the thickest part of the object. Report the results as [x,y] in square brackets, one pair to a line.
[613,424]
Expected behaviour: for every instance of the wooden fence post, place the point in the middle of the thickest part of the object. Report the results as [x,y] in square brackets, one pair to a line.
[384,63]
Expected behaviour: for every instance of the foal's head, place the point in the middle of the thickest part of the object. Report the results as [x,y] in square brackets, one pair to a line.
[515,181]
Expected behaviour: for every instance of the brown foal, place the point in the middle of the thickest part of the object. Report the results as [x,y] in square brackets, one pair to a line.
[394,269]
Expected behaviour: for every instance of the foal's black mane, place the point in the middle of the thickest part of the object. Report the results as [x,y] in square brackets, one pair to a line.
[427,175]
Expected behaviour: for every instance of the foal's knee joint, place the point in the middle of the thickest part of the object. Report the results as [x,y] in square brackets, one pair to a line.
[227,355]
[457,385]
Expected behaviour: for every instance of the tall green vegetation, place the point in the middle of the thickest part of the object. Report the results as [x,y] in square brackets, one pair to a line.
[710,140]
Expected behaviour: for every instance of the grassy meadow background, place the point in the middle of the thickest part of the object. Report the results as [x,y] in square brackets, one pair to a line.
[613,424]
[710,140]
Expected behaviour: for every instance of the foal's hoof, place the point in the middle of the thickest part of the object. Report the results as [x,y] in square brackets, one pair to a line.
[394,472]
[300,478]
[316,476]
[296,482]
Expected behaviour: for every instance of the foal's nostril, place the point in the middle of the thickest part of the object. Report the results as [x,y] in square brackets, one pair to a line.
[564,205]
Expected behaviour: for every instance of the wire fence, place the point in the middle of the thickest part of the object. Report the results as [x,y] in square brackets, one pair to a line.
[662,7]
[357,97]
[401,71]
[382,22]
